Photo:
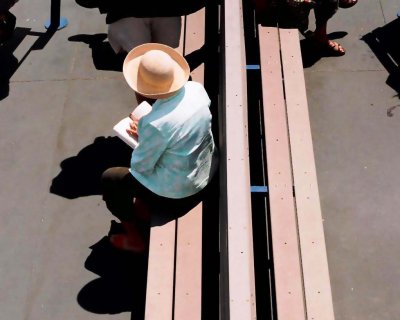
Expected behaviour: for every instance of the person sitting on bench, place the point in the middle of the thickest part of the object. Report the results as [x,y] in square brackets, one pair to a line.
[176,157]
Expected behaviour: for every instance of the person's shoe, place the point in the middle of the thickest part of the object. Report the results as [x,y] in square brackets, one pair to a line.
[347,3]
[123,242]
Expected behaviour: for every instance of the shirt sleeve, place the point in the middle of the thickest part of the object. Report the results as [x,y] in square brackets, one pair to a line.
[150,148]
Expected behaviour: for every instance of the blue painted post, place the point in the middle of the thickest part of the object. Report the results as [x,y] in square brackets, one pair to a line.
[56,22]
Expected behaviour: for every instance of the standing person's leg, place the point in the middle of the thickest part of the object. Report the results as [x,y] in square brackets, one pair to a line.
[323,12]
[166,30]
[127,33]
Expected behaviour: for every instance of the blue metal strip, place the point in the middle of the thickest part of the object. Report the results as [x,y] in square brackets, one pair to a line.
[253,67]
[259,189]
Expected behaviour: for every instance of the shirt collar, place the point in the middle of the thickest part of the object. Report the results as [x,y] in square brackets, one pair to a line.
[175,96]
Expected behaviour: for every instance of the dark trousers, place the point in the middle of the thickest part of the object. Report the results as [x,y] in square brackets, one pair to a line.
[120,188]
[291,14]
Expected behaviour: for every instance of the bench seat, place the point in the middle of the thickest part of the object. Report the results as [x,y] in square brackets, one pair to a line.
[302,284]
[175,250]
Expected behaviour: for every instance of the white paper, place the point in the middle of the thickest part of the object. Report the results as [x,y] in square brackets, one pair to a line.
[120,128]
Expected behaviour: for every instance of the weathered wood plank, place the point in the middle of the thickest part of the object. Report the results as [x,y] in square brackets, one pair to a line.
[285,239]
[237,238]
[189,238]
[160,279]
[317,287]
[161,265]
[188,266]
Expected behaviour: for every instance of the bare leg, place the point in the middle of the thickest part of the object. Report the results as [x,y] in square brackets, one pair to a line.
[322,15]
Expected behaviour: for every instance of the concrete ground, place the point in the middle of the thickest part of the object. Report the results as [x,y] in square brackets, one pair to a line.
[356,131]
[65,93]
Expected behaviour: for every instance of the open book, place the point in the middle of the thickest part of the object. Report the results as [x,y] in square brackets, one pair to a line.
[120,128]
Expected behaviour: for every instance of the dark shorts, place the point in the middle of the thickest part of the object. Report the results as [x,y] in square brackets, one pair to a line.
[120,187]
[292,14]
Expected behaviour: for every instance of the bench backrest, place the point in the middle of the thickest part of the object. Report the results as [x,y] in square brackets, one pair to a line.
[237,270]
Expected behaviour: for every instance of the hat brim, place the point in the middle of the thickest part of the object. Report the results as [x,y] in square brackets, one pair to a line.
[130,70]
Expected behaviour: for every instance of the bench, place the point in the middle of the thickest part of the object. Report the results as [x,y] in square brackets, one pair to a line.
[301,275]
[175,250]
[237,283]
[297,286]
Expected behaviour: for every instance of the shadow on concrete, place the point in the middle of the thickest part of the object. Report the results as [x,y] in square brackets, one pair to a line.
[384,43]
[311,54]
[121,286]
[80,175]
[103,55]
[9,63]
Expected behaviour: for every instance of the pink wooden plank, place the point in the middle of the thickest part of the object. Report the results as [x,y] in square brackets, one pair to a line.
[312,242]
[238,203]
[188,266]
[160,284]
[161,265]
[194,40]
[189,238]
[285,239]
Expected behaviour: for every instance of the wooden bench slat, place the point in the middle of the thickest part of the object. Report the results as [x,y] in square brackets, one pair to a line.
[194,40]
[189,232]
[286,255]
[237,257]
[312,242]
[161,261]
[159,293]
[175,252]
[188,266]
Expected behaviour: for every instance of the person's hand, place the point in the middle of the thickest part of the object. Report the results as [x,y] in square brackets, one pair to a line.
[133,126]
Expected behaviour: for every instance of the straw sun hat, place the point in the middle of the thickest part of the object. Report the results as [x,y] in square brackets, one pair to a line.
[155,70]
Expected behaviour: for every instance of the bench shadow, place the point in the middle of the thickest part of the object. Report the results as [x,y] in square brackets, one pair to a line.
[121,285]
[80,175]
[383,42]
[9,64]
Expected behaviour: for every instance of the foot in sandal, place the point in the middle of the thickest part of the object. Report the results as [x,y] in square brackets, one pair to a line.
[128,243]
[328,47]
[133,239]
[332,48]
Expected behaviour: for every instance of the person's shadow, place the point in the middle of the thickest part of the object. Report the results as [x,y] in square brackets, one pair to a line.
[103,55]
[384,44]
[80,175]
[121,286]
[9,64]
